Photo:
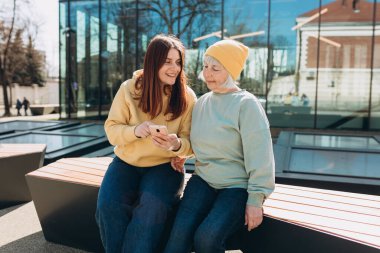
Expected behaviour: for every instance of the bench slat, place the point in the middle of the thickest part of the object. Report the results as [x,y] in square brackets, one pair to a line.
[72,176]
[324,204]
[348,195]
[74,163]
[81,169]
[50,176]
[339,197]
[325,211]
[95,160]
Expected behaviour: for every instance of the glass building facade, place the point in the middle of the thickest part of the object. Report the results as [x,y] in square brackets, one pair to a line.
[312,64]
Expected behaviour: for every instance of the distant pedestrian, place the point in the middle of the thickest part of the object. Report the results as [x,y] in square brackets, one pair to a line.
[26,104]
[305,100]
[18,107]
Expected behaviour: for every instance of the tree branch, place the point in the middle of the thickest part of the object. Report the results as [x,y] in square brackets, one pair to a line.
[9,37]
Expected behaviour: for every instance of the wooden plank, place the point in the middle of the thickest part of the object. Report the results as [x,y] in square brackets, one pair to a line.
[84,164]
[329,192]
[96,160]
[72,175]
[345,214]
[325,204]
[333,196]
[7,150]
[77,168]
[51,176]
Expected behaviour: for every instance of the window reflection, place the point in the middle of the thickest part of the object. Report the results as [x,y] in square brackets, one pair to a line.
[292,83]
[311,66]
[344,67]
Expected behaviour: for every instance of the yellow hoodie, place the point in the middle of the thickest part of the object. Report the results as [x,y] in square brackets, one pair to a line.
[125,115]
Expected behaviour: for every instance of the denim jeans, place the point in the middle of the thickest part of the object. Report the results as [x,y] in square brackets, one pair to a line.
[134,205]
[206,218]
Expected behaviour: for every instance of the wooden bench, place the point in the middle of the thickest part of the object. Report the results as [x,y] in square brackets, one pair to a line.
[297,219]
[15,161]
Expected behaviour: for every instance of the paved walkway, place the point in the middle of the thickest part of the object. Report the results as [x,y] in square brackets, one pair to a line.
[54,116]
[20,232]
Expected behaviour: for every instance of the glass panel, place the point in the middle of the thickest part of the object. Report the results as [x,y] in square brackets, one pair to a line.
[24,125]
[335,163]
[292,72]
[97,130]
[375,106]
[53,142]
[62,57]
[155,17]
[79,51]
[247,22]
[344,63]
[199,30]
[87,58]
[119,42]
[350,142]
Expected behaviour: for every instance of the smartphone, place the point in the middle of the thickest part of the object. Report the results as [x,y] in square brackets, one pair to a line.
[154,129]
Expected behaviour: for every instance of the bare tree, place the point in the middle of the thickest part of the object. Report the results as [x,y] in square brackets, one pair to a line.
[15,58]
[6,36]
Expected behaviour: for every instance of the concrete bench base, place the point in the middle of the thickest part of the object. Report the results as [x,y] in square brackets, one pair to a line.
[16,160]
[67,212]
[297,219]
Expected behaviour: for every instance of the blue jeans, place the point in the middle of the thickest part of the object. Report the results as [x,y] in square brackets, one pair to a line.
[206,218]
[134,205]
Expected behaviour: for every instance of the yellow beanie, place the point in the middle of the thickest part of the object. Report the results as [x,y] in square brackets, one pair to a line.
[231,54]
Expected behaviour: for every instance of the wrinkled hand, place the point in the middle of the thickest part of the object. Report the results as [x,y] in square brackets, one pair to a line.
[253,217]
[142,130]
[168,142]
[178,164]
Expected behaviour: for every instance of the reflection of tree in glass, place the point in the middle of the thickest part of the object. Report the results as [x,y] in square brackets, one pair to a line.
[253,77]
[203,24]
[191,19]
[170,13]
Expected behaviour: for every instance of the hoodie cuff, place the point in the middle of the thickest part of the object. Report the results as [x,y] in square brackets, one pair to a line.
[255,199]
[129,133]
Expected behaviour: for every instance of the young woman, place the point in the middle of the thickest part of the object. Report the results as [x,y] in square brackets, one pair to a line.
[140,188]
[234,158]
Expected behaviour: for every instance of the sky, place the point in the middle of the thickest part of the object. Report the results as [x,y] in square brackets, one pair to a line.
[47,38]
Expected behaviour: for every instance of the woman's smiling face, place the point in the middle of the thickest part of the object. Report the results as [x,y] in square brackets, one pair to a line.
[169,72]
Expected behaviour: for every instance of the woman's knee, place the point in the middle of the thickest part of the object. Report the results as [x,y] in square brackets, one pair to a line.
[207,239]
[153,209]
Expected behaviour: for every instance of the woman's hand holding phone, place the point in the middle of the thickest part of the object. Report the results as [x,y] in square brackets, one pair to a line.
[142,130]
[162,139]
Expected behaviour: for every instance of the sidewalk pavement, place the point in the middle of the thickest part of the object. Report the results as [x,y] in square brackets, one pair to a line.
[21,232]
[54,116]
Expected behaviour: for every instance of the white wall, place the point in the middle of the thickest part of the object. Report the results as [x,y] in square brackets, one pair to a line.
[49,94]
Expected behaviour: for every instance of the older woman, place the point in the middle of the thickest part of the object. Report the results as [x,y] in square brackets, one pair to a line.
[234,158]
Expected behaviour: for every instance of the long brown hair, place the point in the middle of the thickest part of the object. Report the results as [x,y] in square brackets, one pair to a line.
[148,83]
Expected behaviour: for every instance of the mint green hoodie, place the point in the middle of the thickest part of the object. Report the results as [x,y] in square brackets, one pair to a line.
[232,144]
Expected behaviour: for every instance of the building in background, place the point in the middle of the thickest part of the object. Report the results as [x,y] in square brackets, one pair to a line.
[312,64]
